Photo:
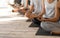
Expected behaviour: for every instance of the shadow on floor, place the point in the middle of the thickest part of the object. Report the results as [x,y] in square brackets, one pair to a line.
[34,25]
[44,33]
[5,17]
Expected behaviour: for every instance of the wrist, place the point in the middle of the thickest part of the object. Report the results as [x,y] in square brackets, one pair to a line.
[29,11]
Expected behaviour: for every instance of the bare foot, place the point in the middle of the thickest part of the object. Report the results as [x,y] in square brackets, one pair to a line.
[55,32]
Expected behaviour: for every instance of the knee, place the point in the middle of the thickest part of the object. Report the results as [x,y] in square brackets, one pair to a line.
[45,26]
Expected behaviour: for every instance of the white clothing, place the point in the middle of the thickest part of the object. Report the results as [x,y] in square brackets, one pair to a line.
[37,5]
[50,11]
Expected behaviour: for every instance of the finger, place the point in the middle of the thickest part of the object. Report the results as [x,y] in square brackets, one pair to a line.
[39,19]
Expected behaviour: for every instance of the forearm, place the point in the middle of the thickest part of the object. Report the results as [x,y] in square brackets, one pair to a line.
[43,9]
[31,8]
[41,13]
[51,19]
[26,3]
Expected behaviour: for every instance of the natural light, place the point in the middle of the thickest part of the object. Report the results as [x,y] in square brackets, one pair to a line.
[6,13]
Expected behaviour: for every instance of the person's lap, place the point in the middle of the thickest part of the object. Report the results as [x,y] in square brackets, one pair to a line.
[50,26]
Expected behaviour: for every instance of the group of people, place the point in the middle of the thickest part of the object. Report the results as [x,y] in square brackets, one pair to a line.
[42,12]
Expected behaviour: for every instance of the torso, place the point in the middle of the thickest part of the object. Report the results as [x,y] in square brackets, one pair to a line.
[37,5]
[50,9]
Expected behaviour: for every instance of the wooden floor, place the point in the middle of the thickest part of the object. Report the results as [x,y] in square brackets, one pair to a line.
[19,29]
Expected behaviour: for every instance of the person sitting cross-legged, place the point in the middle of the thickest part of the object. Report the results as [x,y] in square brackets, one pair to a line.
[35,10]
[23,7]
[51,18]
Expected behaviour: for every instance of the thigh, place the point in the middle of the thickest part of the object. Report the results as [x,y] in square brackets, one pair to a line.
[49,26]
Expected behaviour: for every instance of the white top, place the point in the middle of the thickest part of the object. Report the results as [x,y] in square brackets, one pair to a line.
[37,5]
[50,9]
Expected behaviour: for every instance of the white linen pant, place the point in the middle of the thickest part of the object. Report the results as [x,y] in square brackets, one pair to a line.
[50,26]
